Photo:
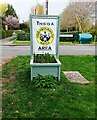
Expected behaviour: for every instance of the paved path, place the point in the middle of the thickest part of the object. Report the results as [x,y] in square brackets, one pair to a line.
[11,51]
[6,41]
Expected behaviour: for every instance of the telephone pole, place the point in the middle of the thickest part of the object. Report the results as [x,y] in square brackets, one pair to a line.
[36,7]
[46,7]
[35,11]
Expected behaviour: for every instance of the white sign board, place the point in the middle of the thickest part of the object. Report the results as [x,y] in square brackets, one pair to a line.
[44,33]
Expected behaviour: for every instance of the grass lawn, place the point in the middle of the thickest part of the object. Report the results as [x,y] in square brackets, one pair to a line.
[21,42]
[28,42]
[68,100]
[61,43]
[71,43]
[66,43]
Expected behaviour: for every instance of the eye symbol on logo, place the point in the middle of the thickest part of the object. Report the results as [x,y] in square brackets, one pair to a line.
[45,36]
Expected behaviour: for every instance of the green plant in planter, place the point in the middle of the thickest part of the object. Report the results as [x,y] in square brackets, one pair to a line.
[52,59]
[47,56]
[44,58]
[48,81]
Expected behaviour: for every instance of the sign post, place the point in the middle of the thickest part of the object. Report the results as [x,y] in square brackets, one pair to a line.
[44,37]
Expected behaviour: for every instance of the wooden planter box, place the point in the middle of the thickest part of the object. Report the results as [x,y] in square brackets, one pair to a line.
[45,69]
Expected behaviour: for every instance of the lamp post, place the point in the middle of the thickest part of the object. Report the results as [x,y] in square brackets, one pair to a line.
[46,7]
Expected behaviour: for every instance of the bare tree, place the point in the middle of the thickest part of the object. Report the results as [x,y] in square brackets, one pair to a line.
[85,11]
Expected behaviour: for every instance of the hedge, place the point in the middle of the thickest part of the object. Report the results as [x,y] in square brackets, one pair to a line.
[71,39]
[23,36]
[9,33]
[94,32]
[5,33]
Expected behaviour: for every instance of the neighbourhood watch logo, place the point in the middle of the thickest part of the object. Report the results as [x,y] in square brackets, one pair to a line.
[45,36]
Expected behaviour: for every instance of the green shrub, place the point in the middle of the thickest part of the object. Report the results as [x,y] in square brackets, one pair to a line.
[44,58]
[48,81]
[23,36]
[27,30]
[0,34]
[27,36]
[94,32]
[4,34]
[9,33]
[16,31]
[20,35]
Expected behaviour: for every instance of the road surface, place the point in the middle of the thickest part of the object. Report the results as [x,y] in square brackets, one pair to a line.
[11,51]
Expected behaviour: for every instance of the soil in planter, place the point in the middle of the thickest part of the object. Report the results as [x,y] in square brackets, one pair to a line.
[44,58]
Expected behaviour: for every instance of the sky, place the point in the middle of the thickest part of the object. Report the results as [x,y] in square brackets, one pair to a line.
[23,7]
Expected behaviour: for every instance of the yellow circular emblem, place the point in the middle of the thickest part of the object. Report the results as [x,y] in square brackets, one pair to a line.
[45,36]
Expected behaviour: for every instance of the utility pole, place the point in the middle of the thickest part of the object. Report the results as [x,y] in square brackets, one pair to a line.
[46,7]
[35,11]
[36,7]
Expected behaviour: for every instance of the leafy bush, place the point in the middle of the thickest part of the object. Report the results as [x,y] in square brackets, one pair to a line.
[5,33]
[23,36]
[16,31]
[27,30]
[20,35]
[0,34]
[48,81]
[94,32]
[9,33]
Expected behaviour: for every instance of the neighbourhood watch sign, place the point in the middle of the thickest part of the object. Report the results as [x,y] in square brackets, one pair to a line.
[44,34]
